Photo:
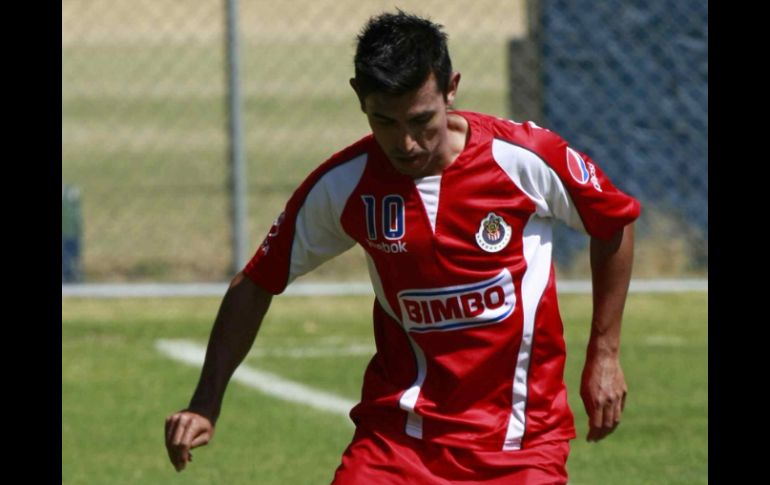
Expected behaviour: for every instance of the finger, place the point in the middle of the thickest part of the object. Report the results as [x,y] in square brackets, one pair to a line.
[598,433]
[594,434]
[174,457]
[180,465]
[609,421]
[609,417]
[596,417]
[200,440]
[179,458]
[171,423]
[618,411]
[180,447]
[192,432]
[595,420]
[181,428]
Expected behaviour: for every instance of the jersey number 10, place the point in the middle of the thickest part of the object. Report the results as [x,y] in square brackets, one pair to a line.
[392,216]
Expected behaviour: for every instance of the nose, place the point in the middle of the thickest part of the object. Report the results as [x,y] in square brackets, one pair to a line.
[406,142]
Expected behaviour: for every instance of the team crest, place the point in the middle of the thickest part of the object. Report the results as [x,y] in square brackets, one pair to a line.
[494,234]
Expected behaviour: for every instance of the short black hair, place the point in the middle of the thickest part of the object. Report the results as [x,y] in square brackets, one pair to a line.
[396,53]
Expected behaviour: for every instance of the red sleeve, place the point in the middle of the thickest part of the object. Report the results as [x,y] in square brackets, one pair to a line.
[602,207]
[308,231]
[269,267]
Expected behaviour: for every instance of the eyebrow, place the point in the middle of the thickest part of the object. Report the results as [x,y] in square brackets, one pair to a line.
[378,115]
[422,114]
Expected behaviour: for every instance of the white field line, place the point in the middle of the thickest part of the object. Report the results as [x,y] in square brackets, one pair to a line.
[311,352]
[169,290]
[193,354]
[664,341]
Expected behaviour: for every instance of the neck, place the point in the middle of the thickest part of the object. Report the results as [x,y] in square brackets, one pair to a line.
[458,135]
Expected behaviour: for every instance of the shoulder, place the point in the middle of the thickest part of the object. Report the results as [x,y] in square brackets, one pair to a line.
[525,134]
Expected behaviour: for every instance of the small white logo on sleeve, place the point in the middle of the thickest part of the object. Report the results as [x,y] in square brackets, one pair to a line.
[582,171]
[494,233]
[594,179]
[457,307]
[274,231]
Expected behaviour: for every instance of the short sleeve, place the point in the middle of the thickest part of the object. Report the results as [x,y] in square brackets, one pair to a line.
[308,232]
[564,183]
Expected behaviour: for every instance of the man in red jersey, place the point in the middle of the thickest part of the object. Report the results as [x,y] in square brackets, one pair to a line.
[454,211]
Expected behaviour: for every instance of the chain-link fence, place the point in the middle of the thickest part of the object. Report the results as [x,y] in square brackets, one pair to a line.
[144,116]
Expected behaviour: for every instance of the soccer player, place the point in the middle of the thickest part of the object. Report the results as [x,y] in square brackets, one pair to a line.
[454,210]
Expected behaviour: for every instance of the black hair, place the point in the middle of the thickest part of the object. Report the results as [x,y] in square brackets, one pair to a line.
[396,53]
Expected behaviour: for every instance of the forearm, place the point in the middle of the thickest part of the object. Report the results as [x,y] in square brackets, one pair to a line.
[235,328]
[611,263]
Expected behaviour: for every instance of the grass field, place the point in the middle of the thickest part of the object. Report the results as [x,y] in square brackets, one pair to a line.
[117,389]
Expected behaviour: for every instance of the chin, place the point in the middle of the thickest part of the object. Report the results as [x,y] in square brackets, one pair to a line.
[404,170]
[416,169]
[411,170]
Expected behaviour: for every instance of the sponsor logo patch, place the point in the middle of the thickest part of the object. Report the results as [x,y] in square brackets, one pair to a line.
[494,233]
[594,179]
[577,167]
[457,307]
[274,231]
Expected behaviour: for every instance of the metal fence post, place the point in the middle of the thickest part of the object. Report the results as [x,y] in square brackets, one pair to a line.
[71,235]
[237,182]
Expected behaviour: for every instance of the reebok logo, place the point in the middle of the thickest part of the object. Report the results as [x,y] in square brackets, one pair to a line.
[395,247]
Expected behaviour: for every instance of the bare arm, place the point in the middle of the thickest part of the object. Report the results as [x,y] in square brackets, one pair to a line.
[603,387]
[235,328]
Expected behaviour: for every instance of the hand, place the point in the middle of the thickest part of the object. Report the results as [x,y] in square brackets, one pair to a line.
[603,390]
[186,430]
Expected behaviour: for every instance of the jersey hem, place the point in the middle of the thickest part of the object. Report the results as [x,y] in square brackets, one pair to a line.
[484,445]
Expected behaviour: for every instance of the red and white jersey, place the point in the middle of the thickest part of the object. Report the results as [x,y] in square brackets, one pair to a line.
[470,348]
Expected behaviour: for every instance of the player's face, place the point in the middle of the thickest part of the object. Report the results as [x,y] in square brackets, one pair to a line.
[412,128]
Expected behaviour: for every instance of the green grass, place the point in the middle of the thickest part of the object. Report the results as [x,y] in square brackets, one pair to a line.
[117,389]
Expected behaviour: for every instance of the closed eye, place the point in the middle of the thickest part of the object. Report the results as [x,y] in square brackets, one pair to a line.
[383,121]
[422,119]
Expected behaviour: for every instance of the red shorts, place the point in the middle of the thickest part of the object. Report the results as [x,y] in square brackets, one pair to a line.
[375,458]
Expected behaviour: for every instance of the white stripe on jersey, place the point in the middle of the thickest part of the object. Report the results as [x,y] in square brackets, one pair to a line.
[408,399]
[429,188]
[537,252]
[379,292]
[414,425]
[318,234]
[534,177]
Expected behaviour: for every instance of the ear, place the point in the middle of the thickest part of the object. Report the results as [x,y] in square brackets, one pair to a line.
[354,85]
[454,83]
